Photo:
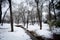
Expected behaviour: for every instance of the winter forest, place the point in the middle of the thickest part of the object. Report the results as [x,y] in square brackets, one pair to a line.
[29,19]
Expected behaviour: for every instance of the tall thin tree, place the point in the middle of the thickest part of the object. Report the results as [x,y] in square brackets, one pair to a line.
[28,18]
[11,17]
[39,17]
[49,20]
[0,10]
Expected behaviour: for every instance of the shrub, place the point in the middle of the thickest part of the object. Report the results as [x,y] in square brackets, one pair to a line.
[57,23]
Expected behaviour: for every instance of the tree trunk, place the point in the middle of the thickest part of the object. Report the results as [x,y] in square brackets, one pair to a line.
[32,19]
[11,17]
[54,12]
[28,18]
[52,4]
[39,16]
[27,21]
[49,20]
[0,11]
[24,18]
[4,16]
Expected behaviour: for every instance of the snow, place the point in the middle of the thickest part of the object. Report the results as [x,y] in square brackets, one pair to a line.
[44,32]
[56,30]
[37,27]
[18,34]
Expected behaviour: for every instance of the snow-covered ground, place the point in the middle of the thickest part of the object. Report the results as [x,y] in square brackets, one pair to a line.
[44,32]
[20,34]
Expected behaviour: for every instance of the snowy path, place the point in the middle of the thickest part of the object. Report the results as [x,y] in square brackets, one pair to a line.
[18,34]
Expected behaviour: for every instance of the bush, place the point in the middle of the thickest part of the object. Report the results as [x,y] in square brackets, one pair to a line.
[51,23]
[57,23]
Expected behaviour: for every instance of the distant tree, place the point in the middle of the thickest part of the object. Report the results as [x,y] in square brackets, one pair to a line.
[22,12]
[23,17]
[39,16]
[4,16]
[2,4]
[28,18]
[32,16]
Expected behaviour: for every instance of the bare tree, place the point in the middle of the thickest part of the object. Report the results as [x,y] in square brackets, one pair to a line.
[0,10]
[28,18]
[4,16]
[39,16]
[11,17]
